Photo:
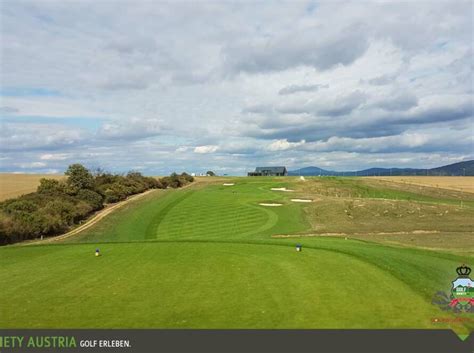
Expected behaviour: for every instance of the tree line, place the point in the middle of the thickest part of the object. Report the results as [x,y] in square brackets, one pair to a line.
[57,205]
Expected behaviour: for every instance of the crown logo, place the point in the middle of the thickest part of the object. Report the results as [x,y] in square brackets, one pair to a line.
[463,271]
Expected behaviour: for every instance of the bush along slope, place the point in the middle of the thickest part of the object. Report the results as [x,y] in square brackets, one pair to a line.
[56,206]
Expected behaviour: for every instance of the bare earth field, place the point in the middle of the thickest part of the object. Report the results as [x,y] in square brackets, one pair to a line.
[13,185]
[459,183]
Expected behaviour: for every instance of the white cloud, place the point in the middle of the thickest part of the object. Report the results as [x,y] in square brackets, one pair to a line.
[251,81]
[52,171]
[206,149]
[301,88]
[132,128]
[27,137]
[54,156]
[282,145]
[32,165]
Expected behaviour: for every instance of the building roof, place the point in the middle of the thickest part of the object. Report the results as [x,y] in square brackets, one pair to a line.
[271,169]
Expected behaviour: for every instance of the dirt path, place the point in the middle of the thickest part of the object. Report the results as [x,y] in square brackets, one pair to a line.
[93,220]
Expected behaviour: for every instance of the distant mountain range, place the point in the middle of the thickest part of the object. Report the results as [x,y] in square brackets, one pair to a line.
[457,169]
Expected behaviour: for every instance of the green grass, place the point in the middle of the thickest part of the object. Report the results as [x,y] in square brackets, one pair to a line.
[214,212]
[203,257]
[192,284]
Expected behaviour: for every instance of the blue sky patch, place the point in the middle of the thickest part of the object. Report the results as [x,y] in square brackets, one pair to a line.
[28,92]
[91,124]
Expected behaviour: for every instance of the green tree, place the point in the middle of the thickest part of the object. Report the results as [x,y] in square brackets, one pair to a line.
[79,177]
[210,173]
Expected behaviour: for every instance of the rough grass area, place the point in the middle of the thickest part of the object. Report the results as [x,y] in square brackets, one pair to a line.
[370,209]
[359,216]
[382,189]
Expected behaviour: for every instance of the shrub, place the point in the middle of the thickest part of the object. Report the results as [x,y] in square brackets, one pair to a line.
[113,192]
[64,209]
[81,210]
[50,186]
[105,178]
[91,197]
[17,206]
[187,177]
[153,183]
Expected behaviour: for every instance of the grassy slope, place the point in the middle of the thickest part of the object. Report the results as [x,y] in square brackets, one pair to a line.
[199,263]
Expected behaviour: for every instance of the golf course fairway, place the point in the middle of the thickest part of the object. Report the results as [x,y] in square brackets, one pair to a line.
[204,257]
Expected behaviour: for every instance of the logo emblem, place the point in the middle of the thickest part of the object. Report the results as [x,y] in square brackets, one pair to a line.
[461,297]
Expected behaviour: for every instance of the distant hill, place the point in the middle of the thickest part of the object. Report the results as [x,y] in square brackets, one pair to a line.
[461,168]
[311,171]
[456,169]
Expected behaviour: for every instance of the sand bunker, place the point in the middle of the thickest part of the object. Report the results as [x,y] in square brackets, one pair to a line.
[281,189]
[228,184]
[271,204]
[302,178]
[301,200]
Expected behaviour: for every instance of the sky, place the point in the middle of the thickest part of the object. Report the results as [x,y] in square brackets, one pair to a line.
[158,87]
